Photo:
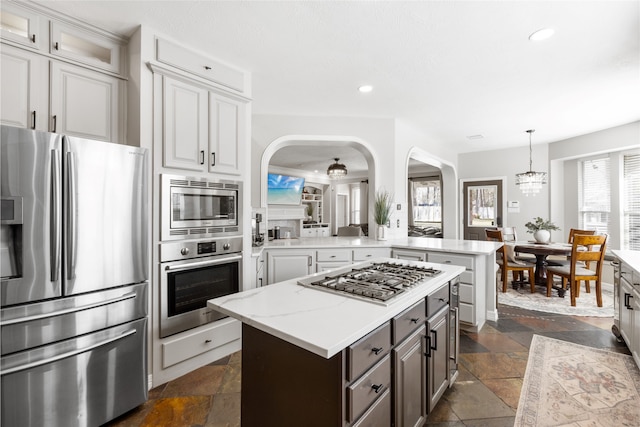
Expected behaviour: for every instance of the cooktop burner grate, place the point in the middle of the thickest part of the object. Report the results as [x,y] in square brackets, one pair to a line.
[378,282]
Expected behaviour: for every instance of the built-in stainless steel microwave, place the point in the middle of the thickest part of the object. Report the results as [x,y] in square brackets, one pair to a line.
[195,207]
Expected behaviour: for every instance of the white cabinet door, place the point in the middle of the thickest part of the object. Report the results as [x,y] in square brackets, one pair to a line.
[86,103]
[626,314]
[635,328]
[23,26]
[24,88]
[184,125]
[226,134]
[285,265]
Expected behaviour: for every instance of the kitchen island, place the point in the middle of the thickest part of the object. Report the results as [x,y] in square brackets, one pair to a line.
[290,258]
[316,358]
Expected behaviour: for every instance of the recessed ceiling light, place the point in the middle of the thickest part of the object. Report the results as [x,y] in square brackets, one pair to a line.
[543,34]
[365,88]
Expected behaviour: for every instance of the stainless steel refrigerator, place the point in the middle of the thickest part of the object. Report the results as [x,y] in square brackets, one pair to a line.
[74,267]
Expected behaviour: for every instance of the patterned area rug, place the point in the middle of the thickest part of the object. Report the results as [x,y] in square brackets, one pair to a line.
[585,304]
[567,384]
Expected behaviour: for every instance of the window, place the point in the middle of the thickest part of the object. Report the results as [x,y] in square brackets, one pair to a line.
[631,202]
[427,200]
[595,195]
[355,204]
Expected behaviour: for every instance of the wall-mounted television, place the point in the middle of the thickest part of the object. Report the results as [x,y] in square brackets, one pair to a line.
[284,189]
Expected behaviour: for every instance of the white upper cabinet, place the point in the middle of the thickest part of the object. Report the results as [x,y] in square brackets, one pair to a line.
[86,103]
[192,62]
[86,47]
[226,133]
[82,94]
[24,88]
[185,125]
[22,26]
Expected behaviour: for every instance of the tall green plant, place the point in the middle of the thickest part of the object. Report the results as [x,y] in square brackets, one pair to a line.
[382,207]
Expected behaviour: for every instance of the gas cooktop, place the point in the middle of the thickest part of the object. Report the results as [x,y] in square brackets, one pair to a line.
[377,282]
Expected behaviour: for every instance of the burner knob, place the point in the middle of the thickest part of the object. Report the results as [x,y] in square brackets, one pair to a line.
[184,251]
[226,246]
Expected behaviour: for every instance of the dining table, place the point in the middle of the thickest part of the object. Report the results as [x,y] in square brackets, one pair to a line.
[542,251]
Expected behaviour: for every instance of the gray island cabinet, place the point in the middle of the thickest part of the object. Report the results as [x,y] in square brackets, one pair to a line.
[316,358]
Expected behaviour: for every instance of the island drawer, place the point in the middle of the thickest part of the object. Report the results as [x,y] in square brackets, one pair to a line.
[446,258]
[334,255]
[379,415]
[437,300]
[407,321]
[362,393]
[367,351]
[365,254]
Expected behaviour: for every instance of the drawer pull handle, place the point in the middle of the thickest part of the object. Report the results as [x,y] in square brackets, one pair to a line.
[332,256]
[207,341]
[377,350]
[447,262]
[56,46]
[377,388]
[415,320]
[33,38]
[206,67]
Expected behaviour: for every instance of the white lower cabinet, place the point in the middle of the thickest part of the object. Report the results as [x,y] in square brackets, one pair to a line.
[629,307]
[289,264]
[330,259]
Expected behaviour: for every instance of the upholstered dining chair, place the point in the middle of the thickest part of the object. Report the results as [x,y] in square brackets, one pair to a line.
[587,257]
[508,263]
[349,231]
[509,234]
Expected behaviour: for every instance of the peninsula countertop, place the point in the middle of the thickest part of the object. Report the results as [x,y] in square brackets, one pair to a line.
[629,257]
[319,321]
[477,247]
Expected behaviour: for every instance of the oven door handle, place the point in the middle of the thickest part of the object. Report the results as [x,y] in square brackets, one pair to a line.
[202,263]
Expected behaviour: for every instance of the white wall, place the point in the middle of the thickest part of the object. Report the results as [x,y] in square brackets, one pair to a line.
[508,162]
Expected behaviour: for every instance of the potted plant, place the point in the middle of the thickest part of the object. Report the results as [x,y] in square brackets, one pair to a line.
[541,229]
[382,213]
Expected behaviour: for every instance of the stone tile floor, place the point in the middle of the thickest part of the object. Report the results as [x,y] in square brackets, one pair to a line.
[486,393]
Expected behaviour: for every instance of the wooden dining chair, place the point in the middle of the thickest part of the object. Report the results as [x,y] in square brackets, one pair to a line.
[587,257]
[509,234]
[565,262]
[506,264]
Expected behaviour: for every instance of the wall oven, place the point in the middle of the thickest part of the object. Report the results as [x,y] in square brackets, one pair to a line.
[192,272]
[195,207]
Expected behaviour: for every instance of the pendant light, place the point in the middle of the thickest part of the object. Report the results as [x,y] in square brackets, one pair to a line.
[337,170]
[530,182]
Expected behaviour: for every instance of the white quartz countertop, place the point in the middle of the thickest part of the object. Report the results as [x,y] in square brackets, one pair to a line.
[421,243]
[319,321]
[631,258]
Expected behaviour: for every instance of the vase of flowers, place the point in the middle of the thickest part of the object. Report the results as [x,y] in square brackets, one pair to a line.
[382,213]
[541,229]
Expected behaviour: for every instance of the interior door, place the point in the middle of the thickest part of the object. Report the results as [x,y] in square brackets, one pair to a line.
[482,207]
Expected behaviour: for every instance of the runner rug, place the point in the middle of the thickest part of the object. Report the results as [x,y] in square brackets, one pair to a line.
[567,384]
[585,304]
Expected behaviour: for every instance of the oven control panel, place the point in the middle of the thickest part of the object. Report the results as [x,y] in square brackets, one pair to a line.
[171,251]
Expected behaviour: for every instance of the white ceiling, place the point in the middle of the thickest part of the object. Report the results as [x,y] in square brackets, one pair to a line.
[451,69]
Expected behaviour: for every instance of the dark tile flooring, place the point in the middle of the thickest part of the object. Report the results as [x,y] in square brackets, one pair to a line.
[486,393]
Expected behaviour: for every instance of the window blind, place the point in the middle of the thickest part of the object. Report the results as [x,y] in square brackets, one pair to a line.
[631,202]
[595,195]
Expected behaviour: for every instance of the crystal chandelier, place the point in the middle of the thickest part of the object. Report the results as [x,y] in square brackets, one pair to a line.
[337,170]
[531,182]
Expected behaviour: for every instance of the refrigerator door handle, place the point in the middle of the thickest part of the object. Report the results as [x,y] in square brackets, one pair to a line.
[67,354]
[71,217]
[25,319]
[54,237]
